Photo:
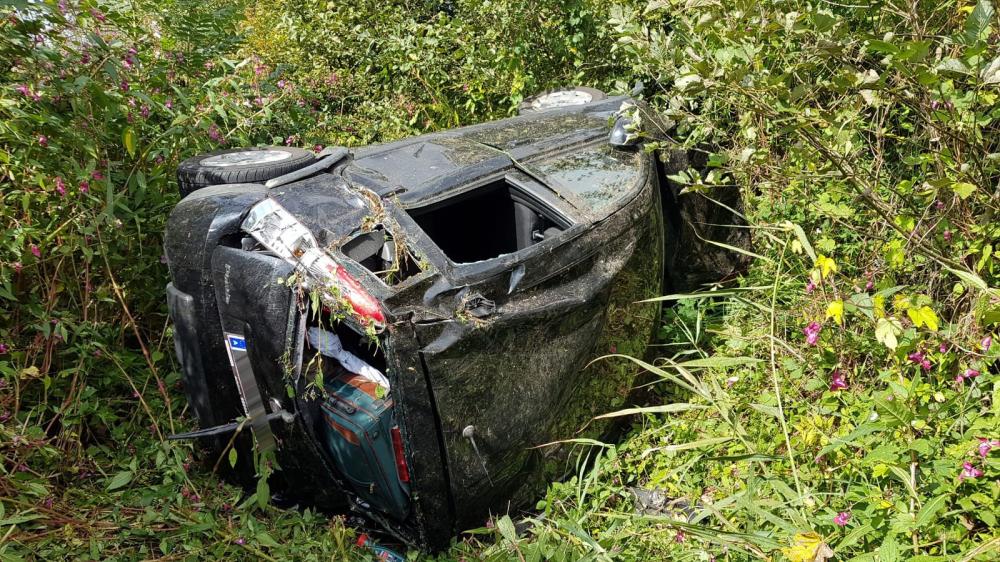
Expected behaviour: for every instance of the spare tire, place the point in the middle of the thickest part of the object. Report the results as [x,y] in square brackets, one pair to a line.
[239,165]
[561,97]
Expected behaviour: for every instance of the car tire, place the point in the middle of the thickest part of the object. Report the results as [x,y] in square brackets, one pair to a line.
[560,97]
[239,165]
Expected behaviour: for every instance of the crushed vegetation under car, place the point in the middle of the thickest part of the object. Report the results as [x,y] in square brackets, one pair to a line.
[403,325]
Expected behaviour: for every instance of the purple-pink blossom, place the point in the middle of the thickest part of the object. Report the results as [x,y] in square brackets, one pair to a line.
[213,133]
[841,518]
[837,381]
[43,141]
[812,332]
[84,186]
[96,175]
[987,445]
[3,350]
[986,343]
[943,348]
[969,471]
[947,235]
[920,358]
[123,86]
[810,287]
[60,186]
[241,541]
[17,267]
[35,250]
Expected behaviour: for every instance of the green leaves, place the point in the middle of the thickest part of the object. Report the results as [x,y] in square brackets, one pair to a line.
[963,189]
[978,24]
[120,480]
[129,141]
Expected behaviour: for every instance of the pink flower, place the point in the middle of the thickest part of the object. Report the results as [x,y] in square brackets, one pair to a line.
[969,471]
[17,267]
[169,104]
[947,235]
[84,186]
[920,358]
[842,518]
[24,90]
[810,287]
[60,186]
[3,350]
[986,343]
[943,348]
[837,381]
[971,373]
[986,445]
[241,541]
[213,133]
[97,15]
[35,251]
[869,286]
[939,205]
[812,332]
[43,141]
[96,175]
[144,112]
[318,148]
[124,86]
[680,536]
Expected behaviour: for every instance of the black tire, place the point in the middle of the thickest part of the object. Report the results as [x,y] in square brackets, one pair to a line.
[529,105]
[194,173]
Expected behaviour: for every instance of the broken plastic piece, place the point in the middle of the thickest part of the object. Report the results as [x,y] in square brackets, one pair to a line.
[381,552]
[329,345]
[278,231]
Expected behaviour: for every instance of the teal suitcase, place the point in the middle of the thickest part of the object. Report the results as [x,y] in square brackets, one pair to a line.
[362,436]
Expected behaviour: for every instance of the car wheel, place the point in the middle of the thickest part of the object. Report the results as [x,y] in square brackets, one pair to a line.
[239,165]
[562,97]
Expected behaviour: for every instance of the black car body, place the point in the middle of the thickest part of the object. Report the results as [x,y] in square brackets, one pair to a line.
[524,247]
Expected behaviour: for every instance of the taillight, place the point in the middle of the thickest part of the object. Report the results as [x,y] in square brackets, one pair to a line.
[280,232]
[362,302]
[397,445]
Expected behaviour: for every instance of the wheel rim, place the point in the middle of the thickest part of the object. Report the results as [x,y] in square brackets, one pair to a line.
[246,158]
[563,98]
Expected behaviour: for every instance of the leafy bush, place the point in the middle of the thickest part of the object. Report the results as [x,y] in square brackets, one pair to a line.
[99,101]
[842,397]
[375,71]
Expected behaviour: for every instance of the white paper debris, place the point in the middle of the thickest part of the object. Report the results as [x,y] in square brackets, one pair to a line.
[328,344]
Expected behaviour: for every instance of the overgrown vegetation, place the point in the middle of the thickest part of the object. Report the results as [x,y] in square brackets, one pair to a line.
[840,400]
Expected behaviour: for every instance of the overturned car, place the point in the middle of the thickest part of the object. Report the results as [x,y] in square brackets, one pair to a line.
[400,327]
